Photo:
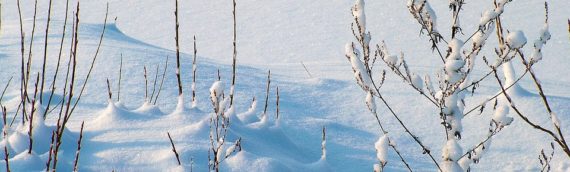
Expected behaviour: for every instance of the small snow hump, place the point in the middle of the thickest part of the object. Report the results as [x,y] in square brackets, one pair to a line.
[516,39]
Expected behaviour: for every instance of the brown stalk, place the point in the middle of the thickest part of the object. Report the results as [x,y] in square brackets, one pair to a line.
[63,119]
[23,90]
[50,153]
[30,132]
[45,54]
[109,89]
[29,63]
[267,93]
[174,148]
[5,133]
[194,73]
[75,167]
[177,52]
[234,57]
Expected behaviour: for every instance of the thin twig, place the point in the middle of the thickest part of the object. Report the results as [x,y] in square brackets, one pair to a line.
[109,89]
[234,58]
[5,134]
[58,60]
[75,167]
[120,77]
[154,85]
[267,92]
[174,148]
[45,54]
[177,52]
[194,66]
[162,80]
[4,91]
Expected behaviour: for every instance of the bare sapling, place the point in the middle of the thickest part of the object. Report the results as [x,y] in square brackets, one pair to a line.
[219,128]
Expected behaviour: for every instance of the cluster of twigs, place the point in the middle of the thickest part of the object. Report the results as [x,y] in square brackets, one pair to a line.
[455,81]
[36,101]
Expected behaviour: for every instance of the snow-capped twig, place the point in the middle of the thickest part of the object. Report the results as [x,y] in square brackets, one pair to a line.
[363,73]
[424,14]
[455,6]
[194,68]
[75,164]
[177,50]
[174,149]
[560,142]
[538,85]
[382,52]
[234,59]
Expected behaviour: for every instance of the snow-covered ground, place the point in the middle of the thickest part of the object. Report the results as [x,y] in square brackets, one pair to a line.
[279,36]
